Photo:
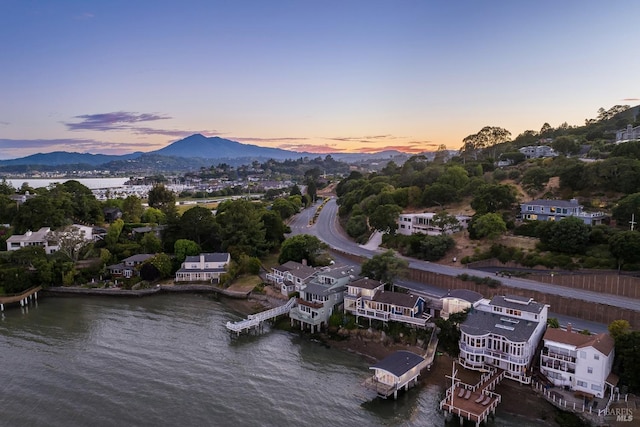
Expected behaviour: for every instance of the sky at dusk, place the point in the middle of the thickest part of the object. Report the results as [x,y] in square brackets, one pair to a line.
[115,77]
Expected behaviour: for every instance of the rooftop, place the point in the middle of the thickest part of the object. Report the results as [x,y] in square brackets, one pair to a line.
[517,303]
[481,323]
[399,362]
[601,342]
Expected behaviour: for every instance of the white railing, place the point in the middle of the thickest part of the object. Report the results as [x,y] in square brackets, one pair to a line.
[255,319]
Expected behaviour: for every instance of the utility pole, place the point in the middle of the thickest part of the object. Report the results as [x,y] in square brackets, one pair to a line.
[633,221]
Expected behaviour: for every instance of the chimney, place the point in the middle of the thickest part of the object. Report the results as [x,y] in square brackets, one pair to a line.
[304,262]
[569,327]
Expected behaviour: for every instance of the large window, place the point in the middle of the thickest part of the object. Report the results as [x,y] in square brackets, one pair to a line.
[582,383]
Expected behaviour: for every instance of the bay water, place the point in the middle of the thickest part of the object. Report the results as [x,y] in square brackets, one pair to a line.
[168,360]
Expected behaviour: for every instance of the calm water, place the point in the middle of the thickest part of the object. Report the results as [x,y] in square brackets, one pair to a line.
[169,361]
[91,183]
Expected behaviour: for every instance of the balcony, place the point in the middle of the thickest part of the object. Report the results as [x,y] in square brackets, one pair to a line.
[310,304]
[558,366]
[558,356]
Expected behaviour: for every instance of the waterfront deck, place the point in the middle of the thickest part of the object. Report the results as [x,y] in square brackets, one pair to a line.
[255,320]
[473,402]
[23,298]
[395,372]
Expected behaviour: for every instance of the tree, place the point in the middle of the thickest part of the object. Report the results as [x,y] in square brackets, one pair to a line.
[490,225]
[132,209]
[183,248]
[569,235]
[241,228]
[71,241]
[384,218]
[493,198]
[566,145]
[487,137]
[626,363]
[445,222]
[618,328]
[295,190]
[199,225]
[274,229]
[162,262]
[553,323]
[385,267]
[113,233]
[625,246]
[627,208]
[535,179]
[284,207]
[153,216]
[150,243]
[162,198]
[301,247]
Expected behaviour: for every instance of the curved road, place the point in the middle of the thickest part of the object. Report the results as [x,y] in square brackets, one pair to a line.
[328,230]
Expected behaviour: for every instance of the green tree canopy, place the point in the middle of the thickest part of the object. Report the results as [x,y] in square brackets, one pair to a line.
[385,267]
[183,248]
[625,246]
[384,218]
[489,225]
[301,247]
[569,235]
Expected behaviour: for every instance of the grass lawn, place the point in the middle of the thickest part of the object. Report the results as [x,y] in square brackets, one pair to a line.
[245,283]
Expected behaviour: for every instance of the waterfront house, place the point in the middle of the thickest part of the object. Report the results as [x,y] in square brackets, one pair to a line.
[579,362]
[291,276]
[206,267]
[555,210]
[40,238]
[321,296]
[367,298]
[458,300]
[129,266]
[399,370]
[503,333]
[409,224]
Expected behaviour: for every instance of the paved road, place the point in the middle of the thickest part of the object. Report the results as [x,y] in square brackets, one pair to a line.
[328,230]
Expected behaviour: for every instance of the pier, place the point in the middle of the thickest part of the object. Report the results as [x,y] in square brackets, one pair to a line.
[23,298]
[473,402]
[255,320]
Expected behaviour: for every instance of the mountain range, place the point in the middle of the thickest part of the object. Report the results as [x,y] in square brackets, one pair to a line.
[204,149]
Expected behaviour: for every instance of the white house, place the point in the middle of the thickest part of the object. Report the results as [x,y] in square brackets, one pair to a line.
[409,224]
[537,151]
[33,238]
[203,267]
[629,134]
[581,362]
[503,333]
[458,300]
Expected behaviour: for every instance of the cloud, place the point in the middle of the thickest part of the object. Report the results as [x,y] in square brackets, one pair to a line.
[311,148]
[15,148]
[406,148]
[251,139]
[631,99]
[4,123]
[120,120]
[363,139]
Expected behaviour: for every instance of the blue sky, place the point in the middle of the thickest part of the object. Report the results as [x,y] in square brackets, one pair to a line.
[323,76]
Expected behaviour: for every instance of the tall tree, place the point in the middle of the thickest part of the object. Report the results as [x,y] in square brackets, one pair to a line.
[162,198]
[385,267]
[301,247]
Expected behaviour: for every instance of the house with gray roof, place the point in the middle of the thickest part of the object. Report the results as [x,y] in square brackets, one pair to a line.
[321,296]
[129,266]
[367,298]
[206,267]
[291,276]
[395,372]
[555,210]
[503,333]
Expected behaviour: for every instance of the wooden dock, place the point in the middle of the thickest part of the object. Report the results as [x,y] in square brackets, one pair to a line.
[473,402]
[23,298]
[254,321]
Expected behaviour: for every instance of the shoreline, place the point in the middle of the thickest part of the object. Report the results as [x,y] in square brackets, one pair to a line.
[518,400]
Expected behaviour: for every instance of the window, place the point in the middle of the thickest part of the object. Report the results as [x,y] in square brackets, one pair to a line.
[596,387]
[590,370]
[596,356]
[582,384]
[583,355]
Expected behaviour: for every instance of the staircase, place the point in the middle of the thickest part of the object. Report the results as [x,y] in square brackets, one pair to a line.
[254,320]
